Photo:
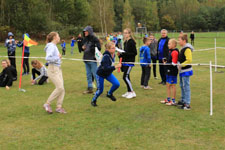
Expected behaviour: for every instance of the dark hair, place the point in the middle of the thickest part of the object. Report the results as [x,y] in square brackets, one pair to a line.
[184,37]
[51,36]
[145,39]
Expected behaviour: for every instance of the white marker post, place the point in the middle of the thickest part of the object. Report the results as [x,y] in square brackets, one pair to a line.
[215,57]
[211,89]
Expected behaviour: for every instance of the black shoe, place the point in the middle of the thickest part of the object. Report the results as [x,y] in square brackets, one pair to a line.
[111,97]
[164,83]
[93,103]
[180,103]
[186,107]
[161,82]
[24,73]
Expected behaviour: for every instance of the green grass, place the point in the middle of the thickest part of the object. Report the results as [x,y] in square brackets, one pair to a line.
[137,124]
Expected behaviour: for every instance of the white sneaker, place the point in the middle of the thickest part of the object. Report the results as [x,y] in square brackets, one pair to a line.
[134,94]
[131,95]
[125,95]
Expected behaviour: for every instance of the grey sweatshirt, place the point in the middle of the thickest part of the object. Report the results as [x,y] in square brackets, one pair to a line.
[52,54]
[43,72]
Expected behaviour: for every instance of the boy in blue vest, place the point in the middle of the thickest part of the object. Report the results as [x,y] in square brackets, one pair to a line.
[185,59]
[145,60]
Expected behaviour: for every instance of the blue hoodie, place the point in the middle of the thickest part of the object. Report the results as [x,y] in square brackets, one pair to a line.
[63,45]
[145,56]
[11,47]
[52,54]
[20,44]
[107,65]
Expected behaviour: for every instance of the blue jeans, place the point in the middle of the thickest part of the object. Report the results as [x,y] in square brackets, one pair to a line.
[185,89]
[100,82]
[91,68]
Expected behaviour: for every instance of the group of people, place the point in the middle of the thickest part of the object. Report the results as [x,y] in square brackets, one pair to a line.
[171,62]
[79,41]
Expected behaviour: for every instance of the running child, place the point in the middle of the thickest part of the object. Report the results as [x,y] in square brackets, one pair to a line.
[171,73]
[63,45]
[145,60]
[53,57]
[104,71]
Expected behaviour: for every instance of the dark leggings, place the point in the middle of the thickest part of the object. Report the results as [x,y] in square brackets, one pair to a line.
[154,66]
[26,67]
[12,58]
[162,71]
[126,77]
[145,76]
[43,78]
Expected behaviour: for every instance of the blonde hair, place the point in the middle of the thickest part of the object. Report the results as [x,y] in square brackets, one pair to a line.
[108,45]
[174,41]
[37,64]
[8,62]
[51,36]
[131,34]
[184,37]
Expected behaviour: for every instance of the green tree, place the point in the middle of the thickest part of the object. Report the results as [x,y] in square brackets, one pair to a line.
[151,16]
[167,23]
[128,18]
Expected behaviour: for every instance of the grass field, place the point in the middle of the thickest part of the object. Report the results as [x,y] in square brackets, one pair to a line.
[137,124]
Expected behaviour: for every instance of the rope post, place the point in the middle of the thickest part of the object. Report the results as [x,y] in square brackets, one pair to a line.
[211,89]
[215,57]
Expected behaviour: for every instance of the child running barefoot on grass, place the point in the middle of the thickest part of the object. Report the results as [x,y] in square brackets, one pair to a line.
[53,58]
[145,58]
[171,74]
[104,71]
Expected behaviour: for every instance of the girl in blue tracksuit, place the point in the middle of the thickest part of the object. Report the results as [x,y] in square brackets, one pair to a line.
[104,71]
[26,66]
[145,60]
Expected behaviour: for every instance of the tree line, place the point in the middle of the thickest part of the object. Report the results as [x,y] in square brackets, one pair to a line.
[68,17]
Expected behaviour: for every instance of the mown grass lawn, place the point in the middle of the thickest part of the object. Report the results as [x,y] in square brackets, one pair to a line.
[137,124]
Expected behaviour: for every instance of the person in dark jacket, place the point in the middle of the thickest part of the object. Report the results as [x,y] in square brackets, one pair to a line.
[127,58]
[89,43]
[12,70]
[26,66]
[10,43]
[105,72]
[162,52]
[153,48]
[6,78]
[79,43]
[192,37]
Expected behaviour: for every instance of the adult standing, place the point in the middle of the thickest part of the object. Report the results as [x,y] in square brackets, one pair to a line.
[79,42]
[162,52]
[153,51]
[89,43]
[192,37]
